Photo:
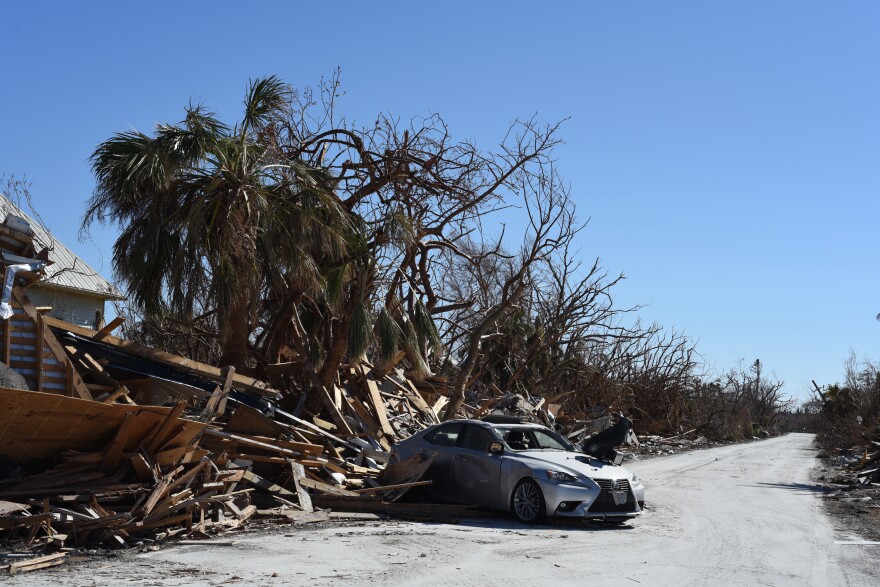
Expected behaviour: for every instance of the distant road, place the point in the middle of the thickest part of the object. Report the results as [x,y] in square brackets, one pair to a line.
[738,515]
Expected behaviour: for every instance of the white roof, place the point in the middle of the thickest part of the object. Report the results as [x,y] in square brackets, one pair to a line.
[68,272]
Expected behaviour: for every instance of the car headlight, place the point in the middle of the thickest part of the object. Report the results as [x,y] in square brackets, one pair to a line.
[561,477]
[636,480]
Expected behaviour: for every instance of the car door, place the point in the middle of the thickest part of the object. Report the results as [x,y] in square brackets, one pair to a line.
[441,443]
[475,471]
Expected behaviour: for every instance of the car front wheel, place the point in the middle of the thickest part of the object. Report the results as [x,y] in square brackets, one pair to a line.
[527,502]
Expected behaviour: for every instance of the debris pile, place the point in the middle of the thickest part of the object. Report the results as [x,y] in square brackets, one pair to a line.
[104,441]
[851,483]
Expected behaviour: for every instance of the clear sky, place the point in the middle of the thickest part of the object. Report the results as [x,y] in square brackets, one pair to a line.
[728,154]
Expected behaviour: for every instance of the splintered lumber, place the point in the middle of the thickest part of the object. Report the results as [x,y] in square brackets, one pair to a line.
[326,488]
[302,518]
[122,391]
[114,324]
[164,432]
[299,474]
[176,361]
[247,420]
[114,452]
[405,473]
[11,522]
[217,403]
[40,562]
[254,443]
[266,485]
[378,406]
[338,417]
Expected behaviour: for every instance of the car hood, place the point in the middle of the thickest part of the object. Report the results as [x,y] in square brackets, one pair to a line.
[577,462]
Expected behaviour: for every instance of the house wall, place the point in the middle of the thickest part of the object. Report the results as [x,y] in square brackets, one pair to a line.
[24,351]
[74,307]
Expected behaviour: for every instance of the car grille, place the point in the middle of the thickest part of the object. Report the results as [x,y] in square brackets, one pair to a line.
[605,501]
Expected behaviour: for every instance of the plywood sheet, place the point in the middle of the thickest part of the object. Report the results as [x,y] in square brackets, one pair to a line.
[35,425]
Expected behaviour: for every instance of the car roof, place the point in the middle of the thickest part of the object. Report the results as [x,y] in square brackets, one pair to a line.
[485,424]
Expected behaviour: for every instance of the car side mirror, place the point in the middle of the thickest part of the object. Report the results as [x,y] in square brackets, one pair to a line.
[496,448]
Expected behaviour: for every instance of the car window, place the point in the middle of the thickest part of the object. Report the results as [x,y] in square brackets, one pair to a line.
[475,438]
[523,438]
[446,435]
[544,440]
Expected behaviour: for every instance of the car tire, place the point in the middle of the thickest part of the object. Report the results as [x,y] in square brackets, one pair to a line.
[527,502]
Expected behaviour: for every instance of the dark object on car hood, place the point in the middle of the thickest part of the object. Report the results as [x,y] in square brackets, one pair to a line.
[602,445]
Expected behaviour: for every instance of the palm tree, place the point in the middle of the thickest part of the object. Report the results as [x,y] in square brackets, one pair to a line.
[210,216]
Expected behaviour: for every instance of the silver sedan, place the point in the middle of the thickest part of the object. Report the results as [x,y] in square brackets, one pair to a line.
[523,468]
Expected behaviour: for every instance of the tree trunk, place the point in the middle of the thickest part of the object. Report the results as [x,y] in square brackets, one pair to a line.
[235,330]
[456,398]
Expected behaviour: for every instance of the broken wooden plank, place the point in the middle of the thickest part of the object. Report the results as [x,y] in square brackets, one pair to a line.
[114,452]
[338,417]
[106,330]
[266,485]
[217,403]
[115,395]
[299,474]
[254,443]
[326,488]
[40,562]
[378,407]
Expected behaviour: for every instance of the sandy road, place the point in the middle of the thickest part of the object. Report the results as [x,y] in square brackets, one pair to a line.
[737,515]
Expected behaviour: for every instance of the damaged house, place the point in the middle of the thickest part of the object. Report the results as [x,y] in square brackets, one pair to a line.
[74,291]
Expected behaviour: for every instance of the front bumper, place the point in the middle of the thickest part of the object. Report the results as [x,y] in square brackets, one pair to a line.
[580,501]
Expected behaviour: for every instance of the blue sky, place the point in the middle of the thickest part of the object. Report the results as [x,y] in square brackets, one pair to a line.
[726,153]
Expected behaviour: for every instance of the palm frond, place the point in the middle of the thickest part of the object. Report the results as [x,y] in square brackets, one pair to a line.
[360,330]
[388,334]
[425,327]
[414,352]
[264,97]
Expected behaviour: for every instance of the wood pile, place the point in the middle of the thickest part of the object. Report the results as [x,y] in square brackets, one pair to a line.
[116,473]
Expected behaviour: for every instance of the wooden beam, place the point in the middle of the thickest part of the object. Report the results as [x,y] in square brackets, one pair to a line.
[114,324]
[217,403]
[379,407]
[338,417]
[41,334]
[115,395]
[114,452]
[254,443]
[299,474]
[92,366]
[171,422]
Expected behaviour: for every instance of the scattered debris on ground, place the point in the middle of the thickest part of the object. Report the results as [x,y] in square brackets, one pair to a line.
[852,482]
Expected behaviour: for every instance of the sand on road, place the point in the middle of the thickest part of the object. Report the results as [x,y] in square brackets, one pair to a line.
[743,514]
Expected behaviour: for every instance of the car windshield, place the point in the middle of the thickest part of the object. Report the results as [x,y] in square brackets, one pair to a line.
[523,438]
